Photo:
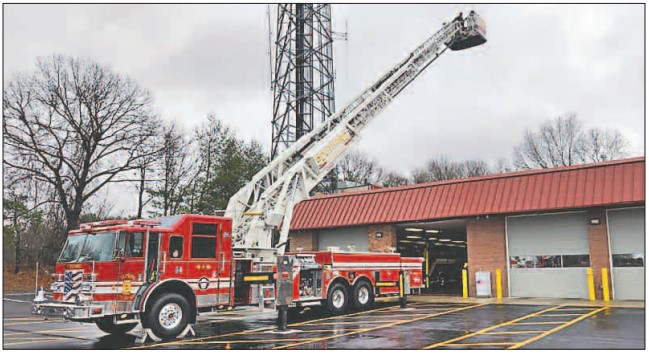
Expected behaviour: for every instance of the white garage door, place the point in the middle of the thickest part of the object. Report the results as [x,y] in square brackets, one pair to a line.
[343,238]
[549,255]
[626,233]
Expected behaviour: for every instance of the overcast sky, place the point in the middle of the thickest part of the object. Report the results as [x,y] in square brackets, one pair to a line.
[540,61]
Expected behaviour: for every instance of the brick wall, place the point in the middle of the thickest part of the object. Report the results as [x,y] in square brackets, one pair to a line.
[386,242]
[307,240]
[599,253]
[486,251]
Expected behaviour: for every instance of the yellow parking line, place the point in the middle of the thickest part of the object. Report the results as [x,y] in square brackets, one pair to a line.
[42,321]
[380,326]
[479,344]
[242,341]
[351,323]
[577,309]
[516,332]
[562,315]
[35,341]
[535,323]
[326,330]
[262,329]
[485,330]
[556,329]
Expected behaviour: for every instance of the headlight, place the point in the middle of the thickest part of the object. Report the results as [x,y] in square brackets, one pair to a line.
[90,277]
[86,287]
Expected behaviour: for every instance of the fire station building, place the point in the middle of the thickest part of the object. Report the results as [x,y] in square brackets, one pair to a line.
[543,229]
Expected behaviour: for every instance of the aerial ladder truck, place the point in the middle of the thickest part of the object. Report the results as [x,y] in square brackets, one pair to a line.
[162,273]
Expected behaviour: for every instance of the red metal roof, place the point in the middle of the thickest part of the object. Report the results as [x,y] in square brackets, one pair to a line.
[602,184]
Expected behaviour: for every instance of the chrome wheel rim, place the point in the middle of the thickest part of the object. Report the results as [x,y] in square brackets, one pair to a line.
[170,315]
[363,295]
[338,299]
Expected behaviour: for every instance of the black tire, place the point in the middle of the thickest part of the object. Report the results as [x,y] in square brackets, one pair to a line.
[167,307]
[363,295]
[106,325]
[337,299]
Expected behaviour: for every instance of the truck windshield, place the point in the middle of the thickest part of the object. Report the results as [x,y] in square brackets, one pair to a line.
[89,247]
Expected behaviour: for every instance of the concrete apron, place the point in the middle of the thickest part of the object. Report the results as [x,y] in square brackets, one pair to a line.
[528,301]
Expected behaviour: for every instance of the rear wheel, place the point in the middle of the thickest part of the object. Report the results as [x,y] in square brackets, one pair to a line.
[363,295]
[337,299]
[168,316]
[107,325]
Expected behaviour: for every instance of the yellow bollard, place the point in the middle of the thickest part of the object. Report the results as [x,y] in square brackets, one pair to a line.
[427,271]
[465,284]
[499,284]
[591,284]
[605,293]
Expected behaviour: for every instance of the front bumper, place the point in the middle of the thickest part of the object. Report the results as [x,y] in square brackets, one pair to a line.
[69,311]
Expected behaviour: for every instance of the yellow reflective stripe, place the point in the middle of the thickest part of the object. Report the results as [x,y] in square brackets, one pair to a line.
[256,278]
[386,284]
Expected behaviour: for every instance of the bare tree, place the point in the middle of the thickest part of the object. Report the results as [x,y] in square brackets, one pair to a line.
[174,171]
[555,144]
[358,168]
[603,145]
[562,142]
[442,169]
[76,126]
[150,152]
[502,166]
[393,179]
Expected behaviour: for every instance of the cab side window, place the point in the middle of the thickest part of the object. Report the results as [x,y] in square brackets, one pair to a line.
[134,245]
[204,241]
[176,247]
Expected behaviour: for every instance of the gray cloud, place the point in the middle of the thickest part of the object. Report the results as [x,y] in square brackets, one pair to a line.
[540,61]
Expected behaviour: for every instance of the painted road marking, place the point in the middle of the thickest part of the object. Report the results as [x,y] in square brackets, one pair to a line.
[249,331]
[515,332]
[351,323]
[35,341]
[13,300]
[42,321]
[556,329]
[379,327]
[485,330]
[480,344]
[242,341]
[537,323]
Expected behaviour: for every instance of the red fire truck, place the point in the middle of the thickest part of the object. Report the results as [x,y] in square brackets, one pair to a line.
[163,272]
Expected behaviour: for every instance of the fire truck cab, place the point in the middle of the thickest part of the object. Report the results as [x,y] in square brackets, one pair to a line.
[162,272]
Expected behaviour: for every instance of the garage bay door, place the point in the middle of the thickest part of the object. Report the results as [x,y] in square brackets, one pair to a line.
[626,233]
[548,255]
[343,238]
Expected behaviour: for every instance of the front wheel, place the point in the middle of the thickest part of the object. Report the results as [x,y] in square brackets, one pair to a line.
[168,316]
[337,299]
[107,325]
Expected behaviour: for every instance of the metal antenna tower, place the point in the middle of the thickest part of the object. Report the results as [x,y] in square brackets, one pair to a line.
[302,73]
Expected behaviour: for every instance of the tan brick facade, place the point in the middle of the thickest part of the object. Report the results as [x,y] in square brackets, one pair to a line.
[307,240]
[599,253]
[486,251]
[384,244]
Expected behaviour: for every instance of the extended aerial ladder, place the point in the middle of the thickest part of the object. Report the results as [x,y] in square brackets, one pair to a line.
[263,208]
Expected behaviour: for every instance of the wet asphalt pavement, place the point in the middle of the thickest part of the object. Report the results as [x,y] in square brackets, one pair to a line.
[422,325]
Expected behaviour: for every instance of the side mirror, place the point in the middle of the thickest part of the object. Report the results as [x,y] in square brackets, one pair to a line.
[120,254]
